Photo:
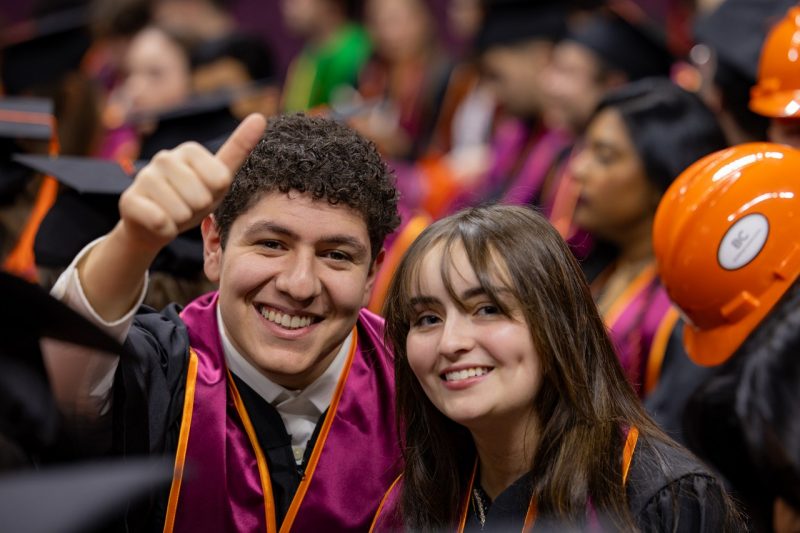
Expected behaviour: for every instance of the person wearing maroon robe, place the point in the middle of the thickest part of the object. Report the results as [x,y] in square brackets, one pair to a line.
[274,394]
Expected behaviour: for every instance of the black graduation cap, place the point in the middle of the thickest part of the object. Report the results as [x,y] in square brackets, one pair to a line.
[26,118]
[625,40]
[204,119]
[89,209]
[77,498]
[507,22]
[39,52]
[28,415]
[84,174]
[736,31]
[248,50]
[21,119]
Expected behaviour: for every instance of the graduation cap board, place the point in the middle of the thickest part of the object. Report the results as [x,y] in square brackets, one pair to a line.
[625,39]
[21,119]
[508,22]
[77,498]
[26,118]
[84,174]
[38,52]
[204,119]
[736,31]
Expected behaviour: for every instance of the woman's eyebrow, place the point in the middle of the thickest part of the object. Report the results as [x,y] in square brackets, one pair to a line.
[423,300]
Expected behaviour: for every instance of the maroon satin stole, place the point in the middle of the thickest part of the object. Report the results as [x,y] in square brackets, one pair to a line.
[227,484]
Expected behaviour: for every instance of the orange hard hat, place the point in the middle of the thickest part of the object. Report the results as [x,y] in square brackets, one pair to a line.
[727,241]
[777,93]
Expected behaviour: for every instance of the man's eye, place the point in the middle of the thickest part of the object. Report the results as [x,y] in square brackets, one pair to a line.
[272,245]
[337,255]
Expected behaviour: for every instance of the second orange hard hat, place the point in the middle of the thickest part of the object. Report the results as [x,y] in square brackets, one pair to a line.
[777,92]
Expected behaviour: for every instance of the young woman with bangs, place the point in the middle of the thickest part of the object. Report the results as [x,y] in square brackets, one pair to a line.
[514,409]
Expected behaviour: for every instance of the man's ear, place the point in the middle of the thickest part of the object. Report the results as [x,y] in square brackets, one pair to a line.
[372,275]
[212,248]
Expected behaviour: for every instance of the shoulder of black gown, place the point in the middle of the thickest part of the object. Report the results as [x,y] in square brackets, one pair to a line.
[670,490]
[148,400]
[148,391]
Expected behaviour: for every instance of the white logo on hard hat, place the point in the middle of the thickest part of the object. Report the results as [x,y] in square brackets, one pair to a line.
[743,241]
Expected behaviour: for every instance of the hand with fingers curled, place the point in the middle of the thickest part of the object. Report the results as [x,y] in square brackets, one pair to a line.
[180,187]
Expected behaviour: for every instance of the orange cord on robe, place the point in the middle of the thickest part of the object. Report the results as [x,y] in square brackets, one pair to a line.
[21,261]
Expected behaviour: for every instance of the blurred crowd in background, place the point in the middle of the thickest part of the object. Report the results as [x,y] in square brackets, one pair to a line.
[587,110]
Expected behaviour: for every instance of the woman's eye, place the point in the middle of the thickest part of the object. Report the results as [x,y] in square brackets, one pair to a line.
[605,157]
[426,320]
[488,310]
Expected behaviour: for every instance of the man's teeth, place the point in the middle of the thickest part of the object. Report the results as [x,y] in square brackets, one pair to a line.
[285,320]
[466,373]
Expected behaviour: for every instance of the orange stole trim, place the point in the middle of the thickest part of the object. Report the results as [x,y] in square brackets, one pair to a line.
[291,514]
[565,201]
[406,237]
[658,349]
[465,507]
[627,452]
[383,502]
[616,310]
[263,468]
[183,442]
[20,260]
[530,515]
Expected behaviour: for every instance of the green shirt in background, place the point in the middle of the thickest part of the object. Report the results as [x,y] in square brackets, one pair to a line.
[316,72]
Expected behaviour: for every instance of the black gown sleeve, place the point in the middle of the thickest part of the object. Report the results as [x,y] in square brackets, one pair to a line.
[692,503]
[150,383]
[148,402]
[670,490]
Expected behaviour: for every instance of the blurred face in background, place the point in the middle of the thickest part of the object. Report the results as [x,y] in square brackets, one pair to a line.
[158,72]
[513,73]
[464,18]
[400,29]
[573,85]
[302,17]
[615,192]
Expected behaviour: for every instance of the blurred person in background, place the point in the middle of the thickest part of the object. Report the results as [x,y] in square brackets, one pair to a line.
[515,45]
[776,95]
[402,85]
[726,241]
[195,21]
[730,40]
[335,49]
[241,66]
[42,58]
[639,139]
[157,77]
[603,49]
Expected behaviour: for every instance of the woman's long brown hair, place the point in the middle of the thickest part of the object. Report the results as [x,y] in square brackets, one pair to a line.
[584,402]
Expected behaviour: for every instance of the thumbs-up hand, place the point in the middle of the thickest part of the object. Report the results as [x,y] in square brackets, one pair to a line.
[179,187]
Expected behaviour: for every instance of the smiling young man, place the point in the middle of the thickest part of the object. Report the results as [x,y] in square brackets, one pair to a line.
[275,391]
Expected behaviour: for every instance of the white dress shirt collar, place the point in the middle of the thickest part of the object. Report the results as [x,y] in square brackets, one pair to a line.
[299,409]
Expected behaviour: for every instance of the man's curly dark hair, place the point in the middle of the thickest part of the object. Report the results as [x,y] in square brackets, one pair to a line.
[321,157]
